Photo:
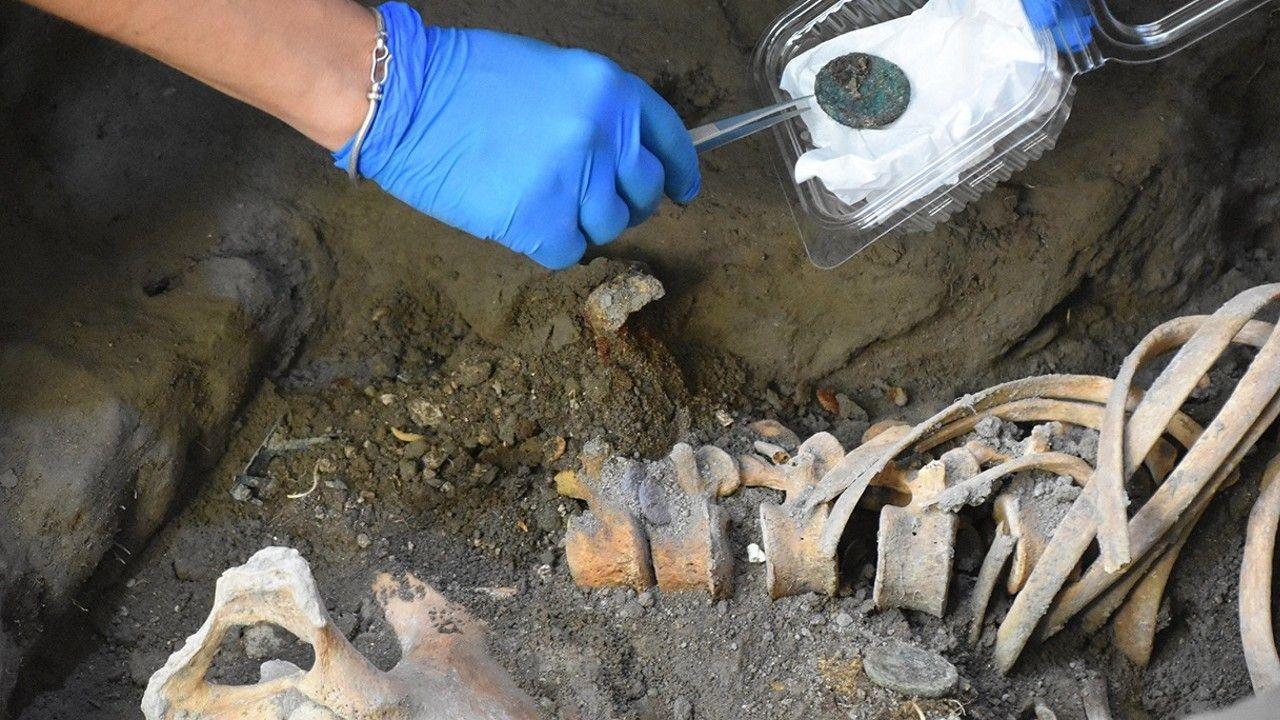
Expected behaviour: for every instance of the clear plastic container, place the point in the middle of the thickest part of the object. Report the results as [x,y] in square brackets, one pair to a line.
[1076,36]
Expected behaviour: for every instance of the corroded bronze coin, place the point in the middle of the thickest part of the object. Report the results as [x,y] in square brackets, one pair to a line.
[862,91]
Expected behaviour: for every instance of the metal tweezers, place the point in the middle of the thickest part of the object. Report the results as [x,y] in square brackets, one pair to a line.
[722,132]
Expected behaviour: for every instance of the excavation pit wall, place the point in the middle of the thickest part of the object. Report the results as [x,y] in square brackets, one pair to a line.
[181,272]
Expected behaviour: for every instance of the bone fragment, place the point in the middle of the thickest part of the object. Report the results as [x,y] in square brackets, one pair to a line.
[444,673]
[988,576]
[1256,629]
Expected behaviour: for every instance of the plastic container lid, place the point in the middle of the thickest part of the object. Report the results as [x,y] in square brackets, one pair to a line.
[1075,36]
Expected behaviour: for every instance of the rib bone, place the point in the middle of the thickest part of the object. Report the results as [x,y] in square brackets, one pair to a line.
[1076,531]
[1256,631]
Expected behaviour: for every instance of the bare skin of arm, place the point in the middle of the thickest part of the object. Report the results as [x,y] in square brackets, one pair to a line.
[303,61]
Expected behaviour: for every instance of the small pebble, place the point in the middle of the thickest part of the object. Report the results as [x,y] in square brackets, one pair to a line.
[1044,712]
[645,599]
[755,554]
[241,492]
[547,518]
[988,427]
[682,709]
[424,413]
[186,568]
[897,396]
[632,611]
[844,620]
[408,469]
[848,409]
[363,541]
[8,479]
[473,373]
[414,450]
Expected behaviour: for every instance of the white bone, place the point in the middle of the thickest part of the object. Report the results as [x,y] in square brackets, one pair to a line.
[444,671]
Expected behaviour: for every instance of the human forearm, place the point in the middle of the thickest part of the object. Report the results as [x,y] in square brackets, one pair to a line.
[543,149]
[303,61]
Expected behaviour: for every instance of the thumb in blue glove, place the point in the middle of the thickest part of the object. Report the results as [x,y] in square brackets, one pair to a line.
[539,148]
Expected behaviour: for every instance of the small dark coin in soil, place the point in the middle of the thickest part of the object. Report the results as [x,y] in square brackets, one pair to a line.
[910,670]
[862,91]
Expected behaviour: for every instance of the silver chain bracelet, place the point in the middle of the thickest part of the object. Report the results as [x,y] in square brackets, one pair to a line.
[378,72]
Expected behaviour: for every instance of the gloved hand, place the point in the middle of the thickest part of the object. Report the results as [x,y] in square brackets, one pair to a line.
[539,148]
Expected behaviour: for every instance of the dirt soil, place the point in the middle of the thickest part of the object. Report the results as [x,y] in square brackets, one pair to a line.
[472,509]
[185,280]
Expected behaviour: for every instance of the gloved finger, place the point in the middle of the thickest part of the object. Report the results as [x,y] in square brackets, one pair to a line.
[662,132]
[560,252]
[640,181]
[603,216]
[554,241]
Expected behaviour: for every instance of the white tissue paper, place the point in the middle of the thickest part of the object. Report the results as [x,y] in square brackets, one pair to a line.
[969,62]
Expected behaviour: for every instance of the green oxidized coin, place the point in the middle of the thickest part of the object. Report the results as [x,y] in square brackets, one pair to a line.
[862,91]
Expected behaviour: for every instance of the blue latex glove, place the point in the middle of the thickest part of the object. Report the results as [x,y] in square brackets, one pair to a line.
[540,148]
[1071,21]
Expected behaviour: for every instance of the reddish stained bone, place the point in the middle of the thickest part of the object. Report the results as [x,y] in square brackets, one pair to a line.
[606,546]
[1075,533]
[794,563]
[870,452]
[1157,531]
[444,670]
[690,548]
[1256,631]
[650,523]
